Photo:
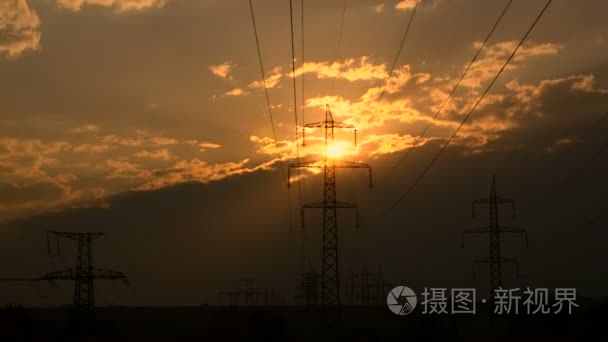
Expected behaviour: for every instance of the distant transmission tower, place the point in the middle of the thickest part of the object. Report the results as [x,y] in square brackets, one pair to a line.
[495,260]
[330,283]
[309,288]
[368,288]
[84,273]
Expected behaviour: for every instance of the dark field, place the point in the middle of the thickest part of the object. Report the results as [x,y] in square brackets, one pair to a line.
[358,323]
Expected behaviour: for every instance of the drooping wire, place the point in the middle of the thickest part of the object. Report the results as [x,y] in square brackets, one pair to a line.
[257,43]
[407,30]
[447,99]
[274,134]
[436,157]
[339,44]
[295,101]
[395,61]
[302,67]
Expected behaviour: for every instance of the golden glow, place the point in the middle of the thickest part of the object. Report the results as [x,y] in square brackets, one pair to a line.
[339,149]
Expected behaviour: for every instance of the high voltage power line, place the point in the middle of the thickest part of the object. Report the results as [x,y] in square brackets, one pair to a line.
[257,43]
[274,134]
[295,102]
[302,65]
[447,99]
[401,45]
[407,30]
[436,157]
[339,44]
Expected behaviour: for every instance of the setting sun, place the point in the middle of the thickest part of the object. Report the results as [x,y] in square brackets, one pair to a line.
[340,149]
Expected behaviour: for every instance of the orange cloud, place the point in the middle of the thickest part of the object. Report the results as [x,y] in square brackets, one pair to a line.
[367,112]
[160,154]
[34,180]
[19,28]
[91,148]
[203,146]
[90,128]
[222,70]
[194,170]
[235,92]
[266,145]
[315,146]
[119,6]
[494,56]
[406,5]
[529,95]
[162,141]
[19,199]
[350,69]
[271,81]
[125,169]
[73,171]
[375,144]
[118,140]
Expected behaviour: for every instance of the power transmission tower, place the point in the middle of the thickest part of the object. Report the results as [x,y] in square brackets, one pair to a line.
[251,295]
[233,297]
[495,260]
[368,288]
[84,273]
[309,287]
[330,282]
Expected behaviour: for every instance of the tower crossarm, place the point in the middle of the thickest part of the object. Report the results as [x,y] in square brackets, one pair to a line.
[499,200]
[76,236]
[502,229]
[329,124]
[514,230]
[339,205]
[72,273]
[353,165]
[502,260]
[319,164]
[100,273]
[480,230]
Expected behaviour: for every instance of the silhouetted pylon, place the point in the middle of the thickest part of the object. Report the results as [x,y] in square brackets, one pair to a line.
[330,282]
[84,273]
[495,260]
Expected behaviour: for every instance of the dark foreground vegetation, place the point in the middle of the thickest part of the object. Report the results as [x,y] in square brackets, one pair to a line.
[289,323]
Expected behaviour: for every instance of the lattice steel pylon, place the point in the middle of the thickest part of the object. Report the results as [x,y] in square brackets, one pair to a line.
[330,277]
[495,260]
[309,287]
[84,273]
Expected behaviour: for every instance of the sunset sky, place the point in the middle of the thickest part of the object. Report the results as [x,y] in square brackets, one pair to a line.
[105,104]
